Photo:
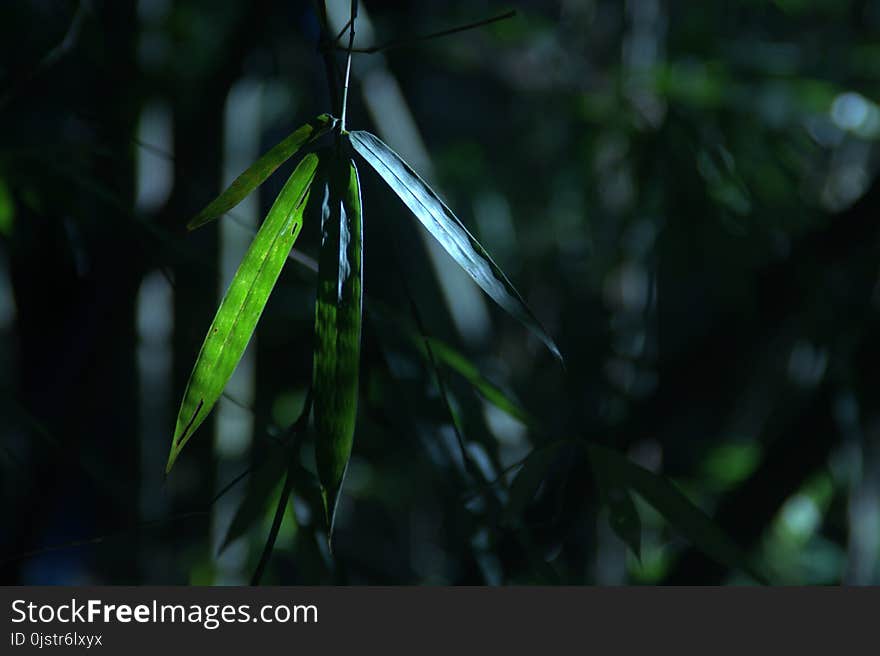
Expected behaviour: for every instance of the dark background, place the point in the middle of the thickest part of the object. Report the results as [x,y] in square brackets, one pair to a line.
[685,193]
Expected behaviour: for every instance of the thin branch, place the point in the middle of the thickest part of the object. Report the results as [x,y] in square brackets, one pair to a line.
[150,148]
[342,31]
[472,494]
[351,21]
[402,43]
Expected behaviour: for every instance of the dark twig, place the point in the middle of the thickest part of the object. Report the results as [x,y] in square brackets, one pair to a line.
[351,23]
[402,43]
[342,31]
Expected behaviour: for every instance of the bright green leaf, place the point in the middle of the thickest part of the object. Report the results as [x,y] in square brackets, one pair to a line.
[260,170]
[243,304]
[337,329]
[447,229]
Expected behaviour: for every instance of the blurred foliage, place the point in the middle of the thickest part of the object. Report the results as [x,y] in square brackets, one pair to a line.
[685,193]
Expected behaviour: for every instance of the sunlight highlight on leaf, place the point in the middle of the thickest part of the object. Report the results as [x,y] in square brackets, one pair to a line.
[259,171]
[338,311]
[447,230]
[243,304]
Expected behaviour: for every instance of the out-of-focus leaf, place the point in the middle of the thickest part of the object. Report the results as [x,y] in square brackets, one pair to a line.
[530,476]
[257,498]
[467,370]
[260,170]
[447,229]
[337,329]
[7,210]
[308,488]
[675,507]
[623,515]
[456,361]
[243,304]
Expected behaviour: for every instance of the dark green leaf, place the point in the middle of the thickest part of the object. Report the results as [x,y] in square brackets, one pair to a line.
[623,515]
[674,506]
[456,361]
[624,519]
[260,170]
[256,501]
[530,476]
[243,304]
[447,229]
[467,370]
[337,329]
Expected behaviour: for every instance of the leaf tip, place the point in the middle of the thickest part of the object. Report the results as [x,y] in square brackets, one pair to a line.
[550,344]
[331,500]
[197,221]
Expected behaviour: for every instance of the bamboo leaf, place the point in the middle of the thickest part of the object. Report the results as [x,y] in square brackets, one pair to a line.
[469,371]
[243,304]
[623,516]
[676,508]
[530,476]
[337,329]
[455,360]
[256,499]
[260,170]
[447,229]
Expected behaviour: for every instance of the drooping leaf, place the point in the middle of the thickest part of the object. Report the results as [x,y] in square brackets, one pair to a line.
[257,498]
[530,476]
[623,516]
[624,519]
[469,371]
[457,361]
[257,173]
[243,304]
[675,507]
[337,328]
[447,229]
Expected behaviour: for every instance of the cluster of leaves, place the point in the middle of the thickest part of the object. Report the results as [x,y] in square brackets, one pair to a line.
[703,247]
[328,174]
[338,310]
[338,316]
